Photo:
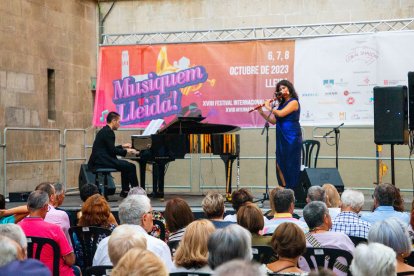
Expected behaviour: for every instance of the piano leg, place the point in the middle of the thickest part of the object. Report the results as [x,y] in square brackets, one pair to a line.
[158,174]
[228,166]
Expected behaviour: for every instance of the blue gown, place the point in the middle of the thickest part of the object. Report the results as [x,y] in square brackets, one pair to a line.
[289,146]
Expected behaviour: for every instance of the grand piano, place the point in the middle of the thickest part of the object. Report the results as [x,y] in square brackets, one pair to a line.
[181,136]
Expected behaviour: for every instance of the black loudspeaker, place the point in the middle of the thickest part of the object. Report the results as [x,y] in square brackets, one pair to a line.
[86,176]
[390,115]
[411,100]
[316,177]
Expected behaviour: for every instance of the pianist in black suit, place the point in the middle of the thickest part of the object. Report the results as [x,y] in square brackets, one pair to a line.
[104,154]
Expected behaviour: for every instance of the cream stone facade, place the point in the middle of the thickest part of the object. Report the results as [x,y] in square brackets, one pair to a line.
[63,35]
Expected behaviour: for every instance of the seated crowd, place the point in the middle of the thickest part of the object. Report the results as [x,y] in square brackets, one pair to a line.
[379,241]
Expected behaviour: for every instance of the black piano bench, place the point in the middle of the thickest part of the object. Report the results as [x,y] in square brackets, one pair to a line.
[103,186]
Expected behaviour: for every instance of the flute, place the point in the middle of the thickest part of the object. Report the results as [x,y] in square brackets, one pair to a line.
[260,106]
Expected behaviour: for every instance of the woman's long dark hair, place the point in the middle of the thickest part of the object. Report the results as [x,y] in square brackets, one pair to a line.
[291,88]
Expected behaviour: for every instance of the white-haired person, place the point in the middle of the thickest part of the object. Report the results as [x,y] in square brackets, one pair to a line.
[373,259]
[13,254]
[122,239]
[229,243]
[136,210]
[348,221]
[393,233]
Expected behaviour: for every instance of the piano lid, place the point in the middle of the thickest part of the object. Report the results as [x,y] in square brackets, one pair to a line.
[193,125]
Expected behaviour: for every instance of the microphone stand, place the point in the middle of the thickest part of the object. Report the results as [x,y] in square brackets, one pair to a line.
[266,127]
[336,130]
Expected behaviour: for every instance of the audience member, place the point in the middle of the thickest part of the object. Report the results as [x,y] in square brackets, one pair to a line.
[59,198]
[333,199]
[250,217]
[27,267]
[20,265]
[411,225]
[9,251]
[239,268]
[87,191]
[238,199]
[15,232]
[4,218]
[398,201]
[191,255]
[373,259]
[54,216]
[316,193]
[270,214]
[213,207]
[136,210]
[177,215]
[140,262]
[348,220]
[122,239]
[289,242]
[156,229]
[392,232]
[95,212]
[229,243]
[317,217]
[285,204]
[59,194]
[384,198]
[34,225]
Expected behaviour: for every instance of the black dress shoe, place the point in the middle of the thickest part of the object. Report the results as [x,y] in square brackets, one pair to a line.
[123,194]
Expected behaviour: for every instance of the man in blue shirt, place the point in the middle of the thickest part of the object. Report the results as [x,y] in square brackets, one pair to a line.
[384,197]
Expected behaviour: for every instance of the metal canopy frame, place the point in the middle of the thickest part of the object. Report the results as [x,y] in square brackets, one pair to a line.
[261,33]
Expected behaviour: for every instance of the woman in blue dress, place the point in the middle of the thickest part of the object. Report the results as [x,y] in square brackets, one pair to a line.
[288,133]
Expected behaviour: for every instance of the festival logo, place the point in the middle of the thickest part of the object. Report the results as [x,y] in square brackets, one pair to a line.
[156,94]
[364,54]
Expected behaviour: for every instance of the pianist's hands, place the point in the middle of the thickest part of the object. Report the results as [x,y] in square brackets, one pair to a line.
[127,146]
[132,152]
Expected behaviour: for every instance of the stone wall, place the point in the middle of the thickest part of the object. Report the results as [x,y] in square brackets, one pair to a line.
[36,36]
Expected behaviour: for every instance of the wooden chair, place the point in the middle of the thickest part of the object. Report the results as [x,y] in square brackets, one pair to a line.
[310,151]
[317,256]
[100,270]
[35,253]
[263,254]
[87,238]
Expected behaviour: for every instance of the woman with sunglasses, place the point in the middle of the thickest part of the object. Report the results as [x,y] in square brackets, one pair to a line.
[288,133]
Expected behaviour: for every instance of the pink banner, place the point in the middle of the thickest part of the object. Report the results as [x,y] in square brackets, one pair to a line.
[220,81]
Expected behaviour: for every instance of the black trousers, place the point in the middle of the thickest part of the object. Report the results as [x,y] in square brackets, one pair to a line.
[128,174]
